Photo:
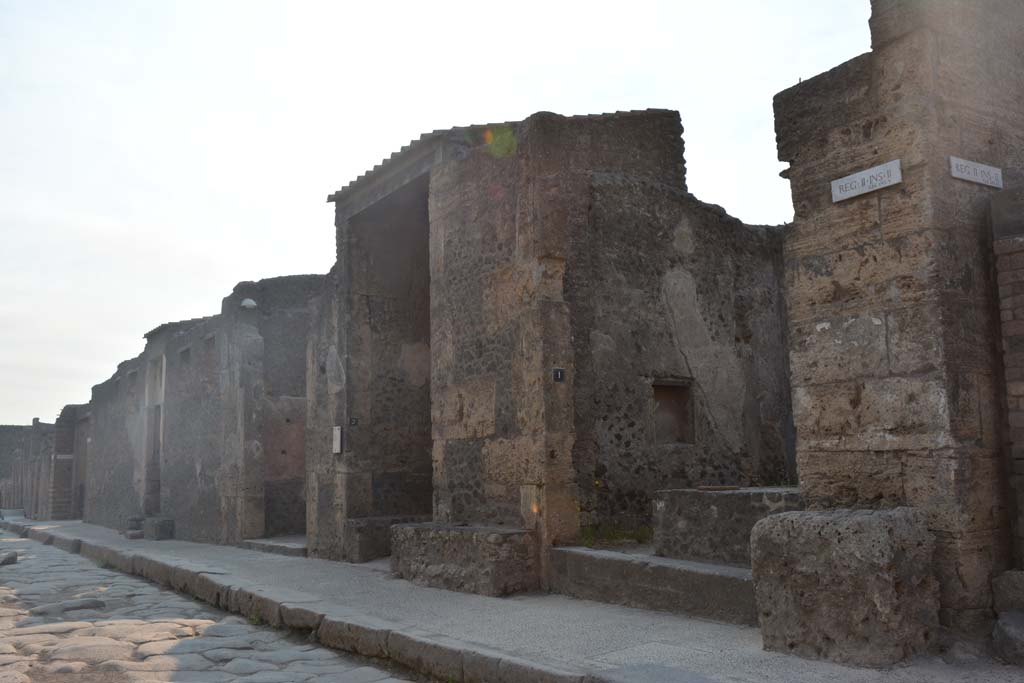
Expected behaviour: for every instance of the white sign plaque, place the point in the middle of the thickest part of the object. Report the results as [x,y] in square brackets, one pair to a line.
[866,181]
[974,172]
[336,445]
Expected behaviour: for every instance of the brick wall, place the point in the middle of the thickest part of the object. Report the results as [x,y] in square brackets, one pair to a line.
[1008,244]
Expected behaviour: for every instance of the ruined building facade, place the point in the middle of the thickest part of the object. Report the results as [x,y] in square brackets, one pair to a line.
[533,326]
[534,340]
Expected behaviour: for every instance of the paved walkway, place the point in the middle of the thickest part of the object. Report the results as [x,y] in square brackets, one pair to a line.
[543,637]
[63,619]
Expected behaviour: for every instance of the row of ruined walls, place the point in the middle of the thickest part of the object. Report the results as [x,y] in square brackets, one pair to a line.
[205,427]
[27,467]
[504,328]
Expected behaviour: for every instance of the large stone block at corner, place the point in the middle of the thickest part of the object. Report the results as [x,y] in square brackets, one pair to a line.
[850,586]
[471,559]
[714,526]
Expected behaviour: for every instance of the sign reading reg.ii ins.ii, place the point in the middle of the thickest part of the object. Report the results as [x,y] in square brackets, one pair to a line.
[976,173]
[866,181]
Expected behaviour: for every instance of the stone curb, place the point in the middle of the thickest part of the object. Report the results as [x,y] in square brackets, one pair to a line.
[431,654]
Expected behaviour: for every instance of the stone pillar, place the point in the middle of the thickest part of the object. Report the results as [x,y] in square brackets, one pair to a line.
[1008,244]
[325,381]
[893,320]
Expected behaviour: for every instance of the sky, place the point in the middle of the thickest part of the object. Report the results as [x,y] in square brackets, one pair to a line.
[153,154]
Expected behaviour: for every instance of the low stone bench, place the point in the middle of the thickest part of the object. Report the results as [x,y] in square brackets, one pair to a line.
[473,559]
[713,525]
[708,591]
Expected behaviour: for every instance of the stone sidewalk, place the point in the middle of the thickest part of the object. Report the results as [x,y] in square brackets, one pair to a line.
[472,638]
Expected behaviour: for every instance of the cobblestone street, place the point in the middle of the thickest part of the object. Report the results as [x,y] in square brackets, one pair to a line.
[62,618]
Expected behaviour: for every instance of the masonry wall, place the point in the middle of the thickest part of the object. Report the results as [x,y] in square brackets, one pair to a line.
[15,445]
[201,455]
[670,294]
[211,436]
[62,477]
[571,250]
[325,377]
[115,481]
[389,352]
[83,443]
[486,384]
[1007,219]
[369,377]
[286,307]
[891,298]
[29,464]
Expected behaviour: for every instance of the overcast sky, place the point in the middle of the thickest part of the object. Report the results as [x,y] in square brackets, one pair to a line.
[153,154]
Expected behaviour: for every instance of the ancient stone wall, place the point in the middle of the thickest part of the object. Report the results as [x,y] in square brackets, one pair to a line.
[125,438]
[369,380]
[572,280]
[486,397]
[15,444]
[200,460]
[1007,217]
[27,468]
[83,443]
[891,299]
[212,435]
[388,376]
[285,306]
[325,375]
[63,468]
[677,317]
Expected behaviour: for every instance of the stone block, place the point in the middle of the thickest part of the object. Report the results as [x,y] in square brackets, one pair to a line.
[353,633]
[472,559]
[153,569]
[301,617]
[158,528]
[843,348]
[714,526]
[1008,591]
[1008,637]
[212,589]
[40,536]
[894,413]
[67,544]
[850,478]
[369,538]
[431,655]
[853,587]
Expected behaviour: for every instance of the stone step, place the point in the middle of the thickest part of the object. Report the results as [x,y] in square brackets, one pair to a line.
[277,545]
[714,524]
[1008,637]
[698,589]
